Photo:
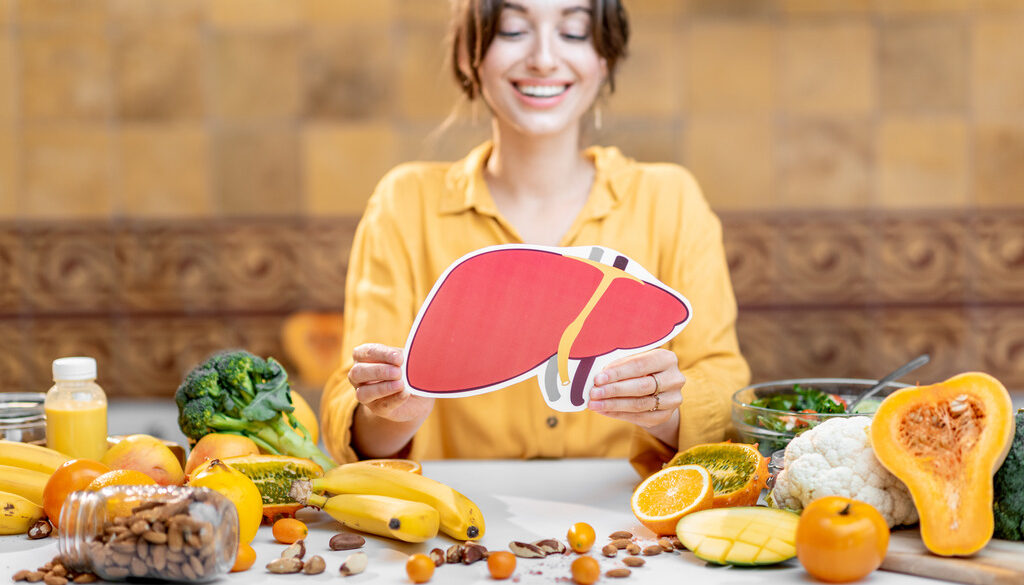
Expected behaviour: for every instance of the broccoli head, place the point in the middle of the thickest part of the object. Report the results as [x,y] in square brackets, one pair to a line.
[240,393]
[1008,489]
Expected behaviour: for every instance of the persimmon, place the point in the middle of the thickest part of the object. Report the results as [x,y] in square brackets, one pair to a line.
[840,540]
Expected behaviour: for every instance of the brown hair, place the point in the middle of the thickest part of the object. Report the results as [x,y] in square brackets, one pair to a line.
[475,23]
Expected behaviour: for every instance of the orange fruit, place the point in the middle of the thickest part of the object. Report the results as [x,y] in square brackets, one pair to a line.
[396,464]
[585,570]
[244,559]
[71,476]
[420,568]
[289,530]
[581,537]
[121,477]
[501,564]
[668,495]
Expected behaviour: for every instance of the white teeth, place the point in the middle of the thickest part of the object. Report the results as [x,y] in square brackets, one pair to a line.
[541,91]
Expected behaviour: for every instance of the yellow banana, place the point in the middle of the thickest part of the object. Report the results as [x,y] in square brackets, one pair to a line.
[29,456]
[380,515]
[17,514]
[23,482]
[460,517]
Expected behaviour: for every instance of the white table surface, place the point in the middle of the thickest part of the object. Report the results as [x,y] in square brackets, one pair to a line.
[521,500]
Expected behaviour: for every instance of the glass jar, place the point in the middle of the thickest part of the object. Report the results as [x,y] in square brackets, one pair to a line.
[163,532]
[76,410]
[22,418]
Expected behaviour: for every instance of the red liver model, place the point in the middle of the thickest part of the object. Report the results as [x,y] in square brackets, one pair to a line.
[502,313]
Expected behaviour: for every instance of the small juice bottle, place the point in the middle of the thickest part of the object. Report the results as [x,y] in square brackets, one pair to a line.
[76,410]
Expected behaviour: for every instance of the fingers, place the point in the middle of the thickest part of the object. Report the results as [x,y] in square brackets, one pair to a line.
[368,393]
[638,365]
[366,373]
[378,353]
[665,402]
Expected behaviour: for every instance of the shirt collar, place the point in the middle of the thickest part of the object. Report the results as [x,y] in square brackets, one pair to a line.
[467,189]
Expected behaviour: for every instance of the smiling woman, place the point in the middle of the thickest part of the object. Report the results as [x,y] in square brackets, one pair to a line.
[539,67]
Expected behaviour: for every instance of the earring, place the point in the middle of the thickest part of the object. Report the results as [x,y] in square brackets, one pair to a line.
[474,114]
[597,117]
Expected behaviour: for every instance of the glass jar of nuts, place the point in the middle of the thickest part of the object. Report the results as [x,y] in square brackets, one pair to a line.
[173,533]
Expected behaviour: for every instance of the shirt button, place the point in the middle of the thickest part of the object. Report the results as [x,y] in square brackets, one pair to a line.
[552,421]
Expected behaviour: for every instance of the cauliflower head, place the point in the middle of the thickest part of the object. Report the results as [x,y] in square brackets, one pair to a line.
[835,458]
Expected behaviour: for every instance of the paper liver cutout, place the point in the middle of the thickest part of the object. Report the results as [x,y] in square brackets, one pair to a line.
[502,314]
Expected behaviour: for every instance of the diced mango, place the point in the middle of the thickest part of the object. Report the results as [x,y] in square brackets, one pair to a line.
[713,549]
[747,535]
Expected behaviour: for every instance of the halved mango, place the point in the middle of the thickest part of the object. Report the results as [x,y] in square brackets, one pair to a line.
[746,535]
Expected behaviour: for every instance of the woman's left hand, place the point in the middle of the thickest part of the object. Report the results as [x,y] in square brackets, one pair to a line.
[643,389]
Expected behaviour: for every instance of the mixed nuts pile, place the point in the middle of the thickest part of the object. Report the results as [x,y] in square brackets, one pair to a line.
[467,553]
[54,573]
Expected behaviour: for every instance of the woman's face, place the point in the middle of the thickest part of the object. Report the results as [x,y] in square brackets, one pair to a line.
[541,72]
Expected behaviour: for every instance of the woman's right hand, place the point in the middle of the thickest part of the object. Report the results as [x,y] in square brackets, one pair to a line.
[377,379]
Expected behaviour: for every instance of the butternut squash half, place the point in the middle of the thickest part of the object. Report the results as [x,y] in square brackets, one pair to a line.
[945,442]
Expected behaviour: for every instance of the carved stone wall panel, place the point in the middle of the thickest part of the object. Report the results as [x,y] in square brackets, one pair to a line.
[920,260]
[156,352]
[325,262]
[833,343]
[758,333]
[11,266]
[14,357]
[997,258]
[260,266]
[751,250]
[51,338]
[823,259]
[169,269]
[943,333]
[998,336]
[70,270]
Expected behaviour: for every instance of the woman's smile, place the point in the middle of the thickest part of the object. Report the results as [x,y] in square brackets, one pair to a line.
[541,93]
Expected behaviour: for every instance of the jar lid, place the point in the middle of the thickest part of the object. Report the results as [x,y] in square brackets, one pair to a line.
[74,368]
[21,407]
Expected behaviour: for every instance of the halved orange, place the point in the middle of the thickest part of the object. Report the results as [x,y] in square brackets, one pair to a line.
[668,495]
[396,464]
[121,477]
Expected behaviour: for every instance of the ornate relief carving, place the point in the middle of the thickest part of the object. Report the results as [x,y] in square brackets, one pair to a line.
[751,249]
[997,258]
[920,260]
[823,294]
[823,260]
[69,269]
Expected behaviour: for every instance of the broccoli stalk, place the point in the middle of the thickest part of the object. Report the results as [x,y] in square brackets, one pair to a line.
[239,393]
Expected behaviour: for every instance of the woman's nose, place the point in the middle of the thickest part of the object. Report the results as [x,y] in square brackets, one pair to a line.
[542,56]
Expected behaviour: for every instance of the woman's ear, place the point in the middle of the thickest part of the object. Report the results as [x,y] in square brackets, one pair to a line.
[464,68]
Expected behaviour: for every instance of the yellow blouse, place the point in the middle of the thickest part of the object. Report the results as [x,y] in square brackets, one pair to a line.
[423,216]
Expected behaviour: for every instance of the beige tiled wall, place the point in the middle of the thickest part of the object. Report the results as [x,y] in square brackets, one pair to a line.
[220,108]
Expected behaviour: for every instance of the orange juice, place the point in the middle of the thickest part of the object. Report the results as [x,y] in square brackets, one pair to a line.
[76,410]
[77,429]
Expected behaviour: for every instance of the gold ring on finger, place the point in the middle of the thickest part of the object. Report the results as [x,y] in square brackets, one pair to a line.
[657,402]
[657,385]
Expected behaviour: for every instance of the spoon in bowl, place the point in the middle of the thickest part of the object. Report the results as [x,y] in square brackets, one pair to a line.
[896,374]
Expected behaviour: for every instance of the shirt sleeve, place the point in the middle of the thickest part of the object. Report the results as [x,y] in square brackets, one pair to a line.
[379,307]
[707,349]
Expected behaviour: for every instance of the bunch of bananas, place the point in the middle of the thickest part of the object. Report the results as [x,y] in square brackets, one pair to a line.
[392,503]
[24,471]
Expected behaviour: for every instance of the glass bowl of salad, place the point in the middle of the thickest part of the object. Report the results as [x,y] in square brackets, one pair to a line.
[772,413]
